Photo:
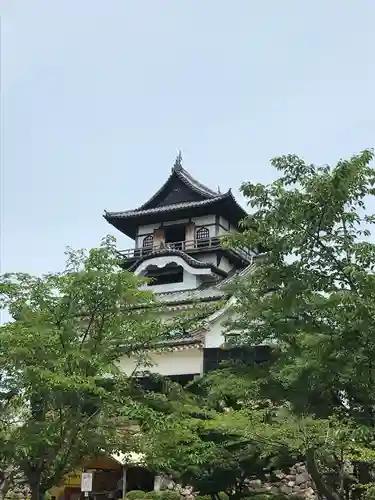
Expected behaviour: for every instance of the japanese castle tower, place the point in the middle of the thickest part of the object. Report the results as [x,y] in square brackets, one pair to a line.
[177,243]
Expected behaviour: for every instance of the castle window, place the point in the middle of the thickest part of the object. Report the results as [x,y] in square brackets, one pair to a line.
[175,236]
[216,358]
[171,273]
[202,237]
[147,244]
[148,240]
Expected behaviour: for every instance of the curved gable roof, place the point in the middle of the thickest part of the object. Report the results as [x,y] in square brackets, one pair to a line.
[178,178]
[179,197]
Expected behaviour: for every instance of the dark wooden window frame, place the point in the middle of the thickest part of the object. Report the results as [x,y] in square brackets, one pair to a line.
[148,241]
[202,233]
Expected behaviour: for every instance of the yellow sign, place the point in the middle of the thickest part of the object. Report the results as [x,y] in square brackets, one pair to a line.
[73,479]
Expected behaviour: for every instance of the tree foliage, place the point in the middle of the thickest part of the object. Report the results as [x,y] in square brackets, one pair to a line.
[10,474]
[211,437]
[59,363]
[312,297]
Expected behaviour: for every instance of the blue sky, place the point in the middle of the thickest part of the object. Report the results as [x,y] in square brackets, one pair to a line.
[97,97]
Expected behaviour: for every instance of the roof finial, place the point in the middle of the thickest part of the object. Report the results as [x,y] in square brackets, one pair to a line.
[178,161]
[218,190]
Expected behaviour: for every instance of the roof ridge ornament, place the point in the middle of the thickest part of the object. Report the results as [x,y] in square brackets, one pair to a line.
[178,162]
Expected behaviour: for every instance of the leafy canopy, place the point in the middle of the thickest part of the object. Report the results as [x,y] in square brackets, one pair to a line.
[59,362]
[212,437]
[312,297]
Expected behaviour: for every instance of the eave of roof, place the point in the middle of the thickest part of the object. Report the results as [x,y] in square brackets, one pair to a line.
[166,208]
[193,341]
[185,297]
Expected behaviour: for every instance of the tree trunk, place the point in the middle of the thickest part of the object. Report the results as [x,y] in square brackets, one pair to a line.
[324,490]
[4,488]
[37,493]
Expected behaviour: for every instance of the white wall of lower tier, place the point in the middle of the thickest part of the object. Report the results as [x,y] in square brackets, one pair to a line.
[188,361]
[215,336]
[179,362]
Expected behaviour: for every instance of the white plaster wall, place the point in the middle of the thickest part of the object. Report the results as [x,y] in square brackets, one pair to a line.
[222,231]
[142,230]
[223,222]
[203,220]
[210,258]
[224,226]
[206,220]
[225,265]
[185,362]
[215,337]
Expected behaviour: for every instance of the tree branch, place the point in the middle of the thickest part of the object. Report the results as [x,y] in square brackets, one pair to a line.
[324,489]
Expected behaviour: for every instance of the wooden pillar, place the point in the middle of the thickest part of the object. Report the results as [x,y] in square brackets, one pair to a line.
[159,238]
[123,481]
[217,225]
[190,235]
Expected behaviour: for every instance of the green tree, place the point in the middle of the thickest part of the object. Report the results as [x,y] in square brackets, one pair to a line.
[10,474]
[212,437]
[59,361]
[313,297]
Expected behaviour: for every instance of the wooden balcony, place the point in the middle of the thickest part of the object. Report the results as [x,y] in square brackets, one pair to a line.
[188,246]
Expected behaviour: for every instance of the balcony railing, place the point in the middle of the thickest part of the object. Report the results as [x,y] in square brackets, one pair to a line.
[186,246]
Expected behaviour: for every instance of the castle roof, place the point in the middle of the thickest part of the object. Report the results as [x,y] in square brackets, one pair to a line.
[178,172]
[180,196]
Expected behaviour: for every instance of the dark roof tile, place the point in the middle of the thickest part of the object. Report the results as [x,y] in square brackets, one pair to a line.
[164,208]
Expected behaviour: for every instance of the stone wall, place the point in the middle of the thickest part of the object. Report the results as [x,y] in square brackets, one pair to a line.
[296,483]
[20,492]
